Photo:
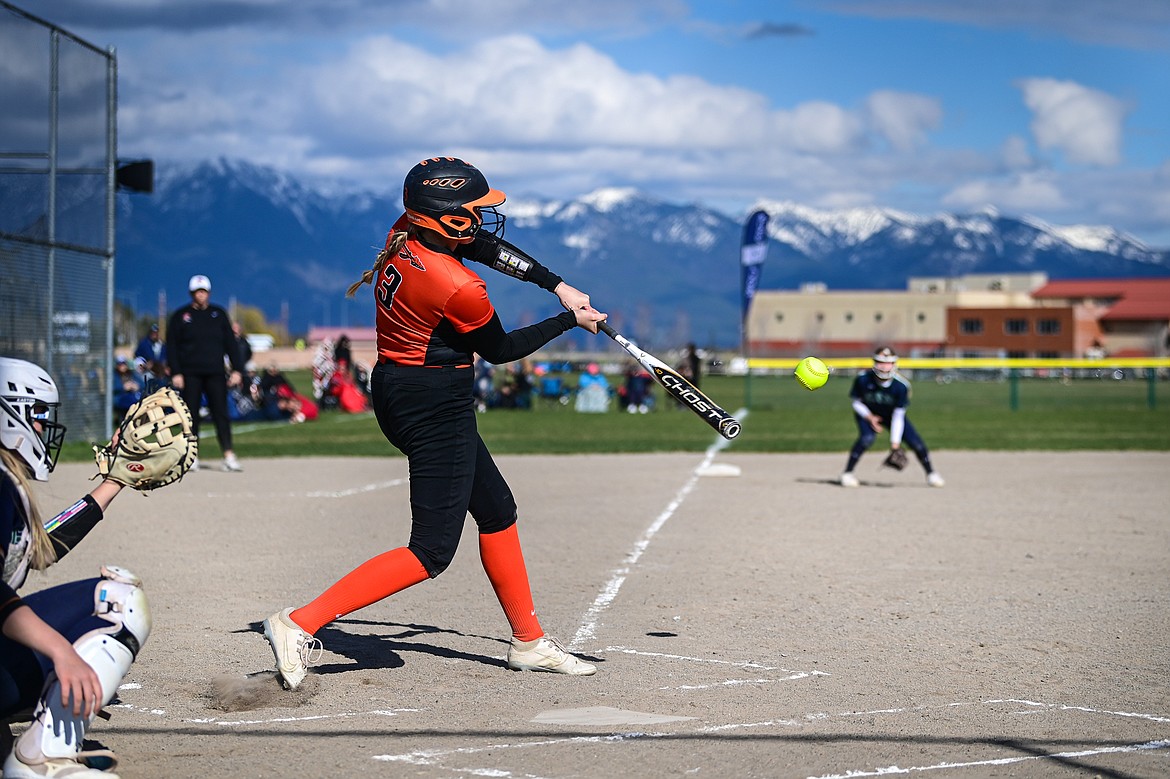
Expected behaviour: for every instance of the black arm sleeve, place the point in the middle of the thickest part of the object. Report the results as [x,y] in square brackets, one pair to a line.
[502,256]
[497,347]
[70,526]
[9,602]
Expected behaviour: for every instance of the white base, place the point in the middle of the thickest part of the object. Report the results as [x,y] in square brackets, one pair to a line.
[718,469]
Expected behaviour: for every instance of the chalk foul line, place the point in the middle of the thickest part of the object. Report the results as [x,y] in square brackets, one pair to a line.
[609,592]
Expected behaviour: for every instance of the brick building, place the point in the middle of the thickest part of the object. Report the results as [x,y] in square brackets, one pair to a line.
[1008,315]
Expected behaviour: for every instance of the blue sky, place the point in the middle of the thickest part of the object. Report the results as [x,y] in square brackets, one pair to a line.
[1056,109]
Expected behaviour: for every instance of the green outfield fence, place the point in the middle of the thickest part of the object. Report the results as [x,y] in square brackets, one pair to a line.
[992,382]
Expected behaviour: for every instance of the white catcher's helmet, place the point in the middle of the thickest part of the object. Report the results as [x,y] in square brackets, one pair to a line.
[28,395]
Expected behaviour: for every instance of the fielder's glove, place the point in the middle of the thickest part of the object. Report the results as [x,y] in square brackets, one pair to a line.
[896,459]
[154,445]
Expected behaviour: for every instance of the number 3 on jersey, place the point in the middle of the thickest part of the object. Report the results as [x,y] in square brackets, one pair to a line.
[388,285]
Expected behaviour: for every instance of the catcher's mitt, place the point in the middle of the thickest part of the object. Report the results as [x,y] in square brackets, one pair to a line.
[154,445]
[896,459]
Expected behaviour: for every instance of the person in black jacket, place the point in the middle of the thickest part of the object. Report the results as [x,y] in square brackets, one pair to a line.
[199,339]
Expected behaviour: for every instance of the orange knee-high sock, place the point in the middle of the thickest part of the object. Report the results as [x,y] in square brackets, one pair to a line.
[504,563]
[370,582]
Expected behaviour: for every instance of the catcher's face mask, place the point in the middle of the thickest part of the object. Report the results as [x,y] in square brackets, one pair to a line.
[885,362]
[884,370]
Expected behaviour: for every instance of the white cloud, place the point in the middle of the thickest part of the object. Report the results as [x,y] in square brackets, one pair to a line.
[1026,192]
[818,127]
[558,121]
[903,119]
[513,92]
[1015,153]
[1082,122]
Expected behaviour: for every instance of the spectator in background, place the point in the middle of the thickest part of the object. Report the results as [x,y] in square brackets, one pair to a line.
[280,400]
[343,359]
[484,387]
[199,339]
[127,389]
[271,379]
[153,353]
[294,406]
[344,394]
[343,353]
[637,390]
[243,400]
[242,345]
[516,388]
[691,366]
[592,391]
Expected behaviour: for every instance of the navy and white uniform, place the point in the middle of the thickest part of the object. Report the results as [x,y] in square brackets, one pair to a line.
[67,608]
[887,399]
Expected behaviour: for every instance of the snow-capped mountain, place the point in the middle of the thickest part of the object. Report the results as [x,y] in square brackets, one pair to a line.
[667,273]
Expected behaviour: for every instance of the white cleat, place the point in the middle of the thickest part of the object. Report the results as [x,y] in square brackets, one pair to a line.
[849,480]
[935,480]
[232,465]
[295,650]
[64,767]
[546,654]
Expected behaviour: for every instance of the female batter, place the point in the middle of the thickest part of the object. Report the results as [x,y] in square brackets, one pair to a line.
[64,650]
[433,314]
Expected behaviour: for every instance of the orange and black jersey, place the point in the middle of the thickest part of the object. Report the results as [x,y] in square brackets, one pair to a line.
[433,311]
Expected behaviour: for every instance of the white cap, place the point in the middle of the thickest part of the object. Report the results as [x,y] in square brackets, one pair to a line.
[199,282]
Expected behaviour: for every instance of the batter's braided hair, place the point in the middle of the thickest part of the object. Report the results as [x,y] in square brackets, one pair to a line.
[394,242]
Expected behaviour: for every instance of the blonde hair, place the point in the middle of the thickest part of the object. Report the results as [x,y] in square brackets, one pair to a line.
[393,243]
[41,551]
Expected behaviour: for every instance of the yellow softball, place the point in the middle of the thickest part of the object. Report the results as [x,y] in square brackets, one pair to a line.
[812,373]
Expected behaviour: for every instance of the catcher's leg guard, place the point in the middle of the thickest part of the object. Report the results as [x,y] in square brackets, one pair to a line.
[119,599]
[53,742]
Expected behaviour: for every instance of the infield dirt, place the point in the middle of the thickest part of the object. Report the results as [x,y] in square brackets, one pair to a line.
[773,624]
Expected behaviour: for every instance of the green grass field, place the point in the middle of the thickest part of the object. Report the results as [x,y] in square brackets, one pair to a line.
[1084,414]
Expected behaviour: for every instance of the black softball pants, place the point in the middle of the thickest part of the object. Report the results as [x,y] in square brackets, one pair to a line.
[214,387]
[429,415]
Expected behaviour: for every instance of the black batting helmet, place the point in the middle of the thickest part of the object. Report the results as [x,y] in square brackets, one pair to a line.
[451,197]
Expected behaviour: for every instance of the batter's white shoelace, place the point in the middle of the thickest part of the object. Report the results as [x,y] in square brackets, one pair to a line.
[310,650]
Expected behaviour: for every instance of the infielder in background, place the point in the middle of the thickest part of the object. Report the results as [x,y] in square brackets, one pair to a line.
[64,650]
[880,397]
[199,339]
[433,314]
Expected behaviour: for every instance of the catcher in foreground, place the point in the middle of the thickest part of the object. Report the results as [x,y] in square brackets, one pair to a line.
[880,397]
[65,650]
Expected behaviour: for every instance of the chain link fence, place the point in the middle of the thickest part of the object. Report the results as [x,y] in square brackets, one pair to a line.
[57,179]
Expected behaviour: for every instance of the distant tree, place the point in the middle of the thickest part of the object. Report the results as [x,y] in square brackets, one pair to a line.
[125,325]
[252,320]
